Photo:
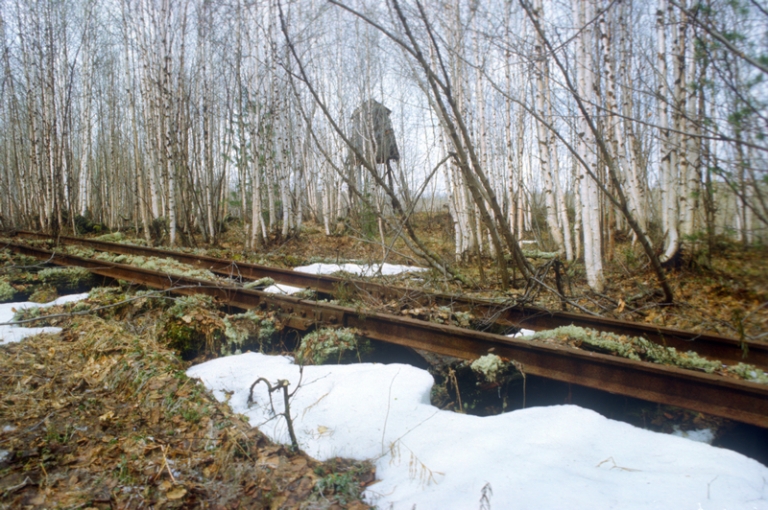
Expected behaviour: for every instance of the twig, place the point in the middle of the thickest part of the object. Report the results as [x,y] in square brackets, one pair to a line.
[585,310]
[165,463]
[519,367]
[281,384]
[452,379]
[20,486]
[386,418]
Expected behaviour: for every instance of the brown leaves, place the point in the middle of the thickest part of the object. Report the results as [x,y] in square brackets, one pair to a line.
[109,417]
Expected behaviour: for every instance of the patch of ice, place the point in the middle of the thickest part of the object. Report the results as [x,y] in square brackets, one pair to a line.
[10,334]
[360,270]
[545,457]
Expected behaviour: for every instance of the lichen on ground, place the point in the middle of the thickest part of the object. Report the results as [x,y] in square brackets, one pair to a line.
[331,346]
[44,294]
[488,367]
[6,291]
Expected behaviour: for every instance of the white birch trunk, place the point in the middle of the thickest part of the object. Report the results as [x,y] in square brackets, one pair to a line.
[690,179]
[590,200]
[668,160]
[542,89]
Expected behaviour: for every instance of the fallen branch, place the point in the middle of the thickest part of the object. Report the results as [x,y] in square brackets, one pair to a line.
[281,384]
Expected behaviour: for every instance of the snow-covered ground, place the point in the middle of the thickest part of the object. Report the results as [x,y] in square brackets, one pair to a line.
[10,334]
[356,269]
[559,457]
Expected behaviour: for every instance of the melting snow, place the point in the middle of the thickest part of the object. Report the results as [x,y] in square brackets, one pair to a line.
[545,457]
[357,269]
[360,270]
[11,334]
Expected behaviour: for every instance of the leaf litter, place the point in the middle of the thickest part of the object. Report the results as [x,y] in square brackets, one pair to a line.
[102,415]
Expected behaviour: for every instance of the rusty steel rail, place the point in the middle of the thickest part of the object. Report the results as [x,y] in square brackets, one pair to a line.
[725,349]
[720,396]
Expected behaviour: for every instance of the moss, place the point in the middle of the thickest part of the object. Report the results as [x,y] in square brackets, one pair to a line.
[235,335]
[79,251]
[26,313]
[267,330]
[106,295]
[309,294]
[331,346]
[750,373]
[192,326]
[262,282]
[163,265]
[463,319]
[114,237]
[184,339]
[44,294]
[636,348]
[6,291]
[184,304]
[66,277]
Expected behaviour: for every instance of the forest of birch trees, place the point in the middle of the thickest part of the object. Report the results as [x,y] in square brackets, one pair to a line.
[578,124]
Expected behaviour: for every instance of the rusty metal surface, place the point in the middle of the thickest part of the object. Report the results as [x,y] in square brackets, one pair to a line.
[720,396]
[728,350]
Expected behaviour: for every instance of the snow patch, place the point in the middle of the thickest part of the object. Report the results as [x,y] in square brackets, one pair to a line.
[10,334]
[360,270]
[279,288]
[544,457]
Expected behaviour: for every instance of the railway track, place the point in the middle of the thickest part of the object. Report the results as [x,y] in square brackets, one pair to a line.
[503,315]
[712,394]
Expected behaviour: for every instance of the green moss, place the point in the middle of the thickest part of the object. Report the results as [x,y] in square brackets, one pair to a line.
[163,265]
[6,291]
[66,277]
[184,339]
[44,294]
[106,295]
[114,237]
[184,304]
[331,346]
[79,251]
[193,326]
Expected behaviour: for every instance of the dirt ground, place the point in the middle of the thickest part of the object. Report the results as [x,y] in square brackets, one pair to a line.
[103,416]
